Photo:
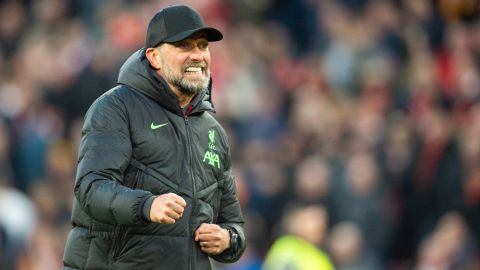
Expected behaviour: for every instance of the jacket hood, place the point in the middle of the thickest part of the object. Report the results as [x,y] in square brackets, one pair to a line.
[138,75]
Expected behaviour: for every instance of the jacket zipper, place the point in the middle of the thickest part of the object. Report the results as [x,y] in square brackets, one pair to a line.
[120,231]
[189,148]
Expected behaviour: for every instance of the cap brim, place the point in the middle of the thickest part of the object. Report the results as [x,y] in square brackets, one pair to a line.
[212,34]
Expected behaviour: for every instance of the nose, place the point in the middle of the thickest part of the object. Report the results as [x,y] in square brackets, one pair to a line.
[196,54]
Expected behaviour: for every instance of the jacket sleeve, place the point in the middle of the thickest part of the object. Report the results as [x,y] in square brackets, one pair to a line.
[104,154]
[230,216]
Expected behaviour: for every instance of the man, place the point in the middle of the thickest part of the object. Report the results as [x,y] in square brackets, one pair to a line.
[154,186]
[299,248]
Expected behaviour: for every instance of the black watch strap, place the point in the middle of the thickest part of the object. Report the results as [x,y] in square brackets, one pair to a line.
[233,238]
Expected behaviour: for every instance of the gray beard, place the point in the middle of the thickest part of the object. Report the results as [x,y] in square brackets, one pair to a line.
[185,86]
[188,88]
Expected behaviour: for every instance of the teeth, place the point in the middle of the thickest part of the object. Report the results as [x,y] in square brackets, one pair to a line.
[193,69]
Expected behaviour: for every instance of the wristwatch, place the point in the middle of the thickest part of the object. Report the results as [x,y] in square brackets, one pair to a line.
[233,238]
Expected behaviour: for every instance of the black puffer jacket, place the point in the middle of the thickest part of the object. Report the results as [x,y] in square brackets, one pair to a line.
[137,143]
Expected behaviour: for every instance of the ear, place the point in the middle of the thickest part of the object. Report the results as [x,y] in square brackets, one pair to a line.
[153,56]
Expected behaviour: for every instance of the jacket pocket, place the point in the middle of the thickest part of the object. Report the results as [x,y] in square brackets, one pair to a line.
[118,241]
[133,177]
[212,196]
[137,181]
[217,200]
[155,182]
[133,180]
[216,205]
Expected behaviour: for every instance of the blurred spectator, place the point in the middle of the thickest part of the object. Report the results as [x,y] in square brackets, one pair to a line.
[299,247]
[361,200]
[6,175]
[13,21]
[346,248]
[44,251]
[433,186]
[266,181]
[18,220]
[312,182]
[449,246]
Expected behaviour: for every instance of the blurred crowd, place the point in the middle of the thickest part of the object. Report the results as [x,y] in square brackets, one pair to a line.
[366,109]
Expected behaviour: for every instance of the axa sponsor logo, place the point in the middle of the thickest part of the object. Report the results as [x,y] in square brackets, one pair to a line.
[210,156]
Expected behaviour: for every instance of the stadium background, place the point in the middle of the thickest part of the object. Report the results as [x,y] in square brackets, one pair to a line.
[368,108]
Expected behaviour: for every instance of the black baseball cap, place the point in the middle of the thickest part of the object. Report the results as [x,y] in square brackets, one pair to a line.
[175,23]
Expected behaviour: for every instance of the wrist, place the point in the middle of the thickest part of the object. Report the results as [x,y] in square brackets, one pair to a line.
[146,208]
[233,238]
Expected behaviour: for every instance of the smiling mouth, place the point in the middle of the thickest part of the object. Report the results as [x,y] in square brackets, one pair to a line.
[194,70]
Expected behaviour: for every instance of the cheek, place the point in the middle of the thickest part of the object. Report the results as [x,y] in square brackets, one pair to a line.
[207,58]
[207,62]
[175,65]
[180,62]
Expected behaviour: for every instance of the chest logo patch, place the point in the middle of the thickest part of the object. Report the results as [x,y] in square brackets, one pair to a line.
[210,156]
[153,126]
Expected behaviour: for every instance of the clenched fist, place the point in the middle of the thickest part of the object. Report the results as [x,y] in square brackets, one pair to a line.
[167,208]
[212,238]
